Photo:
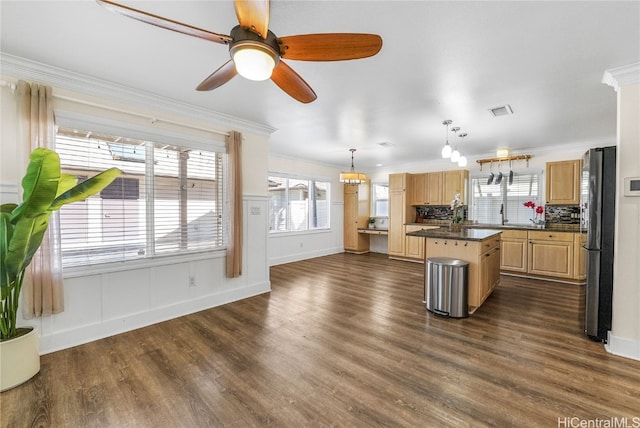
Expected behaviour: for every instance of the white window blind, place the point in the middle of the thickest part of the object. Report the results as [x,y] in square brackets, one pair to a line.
[380,197]
[167,201]
[298,204]
[488,199]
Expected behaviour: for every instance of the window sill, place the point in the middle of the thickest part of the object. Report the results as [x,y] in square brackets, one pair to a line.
[80,271]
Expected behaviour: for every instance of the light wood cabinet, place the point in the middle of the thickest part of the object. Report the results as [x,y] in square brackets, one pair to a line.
[419,189]
[484,263]
[547,253]
[514,251]
[563,182]
[434,188]
[398,182]
[356,215]
[399,213]
[454,182]
[551,253]
[414,245]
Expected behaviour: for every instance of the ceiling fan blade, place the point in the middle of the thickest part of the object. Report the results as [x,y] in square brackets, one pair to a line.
[290,82]
[219,77]
[165,23]
[253,15]
[329,47]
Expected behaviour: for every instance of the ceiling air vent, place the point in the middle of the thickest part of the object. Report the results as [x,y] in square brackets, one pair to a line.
[385,144]
[501,110]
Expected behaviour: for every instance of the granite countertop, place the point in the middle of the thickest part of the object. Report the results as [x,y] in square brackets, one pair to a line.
[466,234]
[550,226]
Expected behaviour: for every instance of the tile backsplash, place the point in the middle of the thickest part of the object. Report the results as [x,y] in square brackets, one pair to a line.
[562,214]
[438,212]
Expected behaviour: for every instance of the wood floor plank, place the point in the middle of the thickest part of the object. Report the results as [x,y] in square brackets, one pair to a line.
[342,340]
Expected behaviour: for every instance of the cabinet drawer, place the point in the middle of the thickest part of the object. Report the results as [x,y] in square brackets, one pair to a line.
[522,234]
[551,235]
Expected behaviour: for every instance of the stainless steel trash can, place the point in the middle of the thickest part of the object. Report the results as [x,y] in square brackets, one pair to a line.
[447,287]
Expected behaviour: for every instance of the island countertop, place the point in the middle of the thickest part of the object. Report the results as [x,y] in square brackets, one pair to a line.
[464,234]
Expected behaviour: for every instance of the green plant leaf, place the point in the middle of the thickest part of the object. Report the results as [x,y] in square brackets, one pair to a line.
[40,183]
[25,241]
[87,188]
[67,181]
[6,231]
[8,208]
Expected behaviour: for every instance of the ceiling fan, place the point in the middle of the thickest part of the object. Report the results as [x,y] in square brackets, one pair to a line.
[257,53]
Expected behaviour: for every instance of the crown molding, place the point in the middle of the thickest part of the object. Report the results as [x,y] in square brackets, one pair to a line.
[21,68]
[622,76]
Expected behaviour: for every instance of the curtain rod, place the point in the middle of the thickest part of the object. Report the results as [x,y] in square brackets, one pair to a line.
[152,119]
[9,85]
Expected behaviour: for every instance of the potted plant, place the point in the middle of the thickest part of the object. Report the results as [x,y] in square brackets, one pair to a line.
[22,228]
[372,223]
[456,217]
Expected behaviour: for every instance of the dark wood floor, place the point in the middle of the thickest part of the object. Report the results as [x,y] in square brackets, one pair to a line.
[342,340]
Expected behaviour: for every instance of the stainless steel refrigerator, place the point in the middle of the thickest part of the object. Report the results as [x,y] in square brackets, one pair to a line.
[598,222]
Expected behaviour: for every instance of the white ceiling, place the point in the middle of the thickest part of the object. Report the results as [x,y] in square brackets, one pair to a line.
[439,60]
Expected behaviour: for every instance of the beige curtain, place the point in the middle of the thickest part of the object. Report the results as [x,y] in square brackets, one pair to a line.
[42,289]
[234,186]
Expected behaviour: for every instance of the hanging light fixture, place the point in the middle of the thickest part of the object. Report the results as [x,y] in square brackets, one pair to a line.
[455,155]
[352,177]
[462,162]
[446,150]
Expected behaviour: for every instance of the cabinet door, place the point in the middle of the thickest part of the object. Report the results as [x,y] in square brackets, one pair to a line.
[397,210]
[514,254]
[580,256]
[350,216]
[419,189]
[454,182]
[414,246]
[434,188]
[553,258]
[397,182]
[563,182]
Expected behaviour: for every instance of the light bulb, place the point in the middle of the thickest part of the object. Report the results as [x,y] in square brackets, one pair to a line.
[446,151]
[253,64]
[455,156]
[462,162]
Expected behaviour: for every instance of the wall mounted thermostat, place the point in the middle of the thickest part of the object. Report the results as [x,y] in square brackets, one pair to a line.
[632,186]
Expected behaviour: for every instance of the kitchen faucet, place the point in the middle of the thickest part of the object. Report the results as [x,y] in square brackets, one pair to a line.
[504,220]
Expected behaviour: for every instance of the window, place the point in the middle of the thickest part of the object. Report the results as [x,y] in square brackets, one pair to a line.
[167,201]
[380,200]
[298,204]
[488,199]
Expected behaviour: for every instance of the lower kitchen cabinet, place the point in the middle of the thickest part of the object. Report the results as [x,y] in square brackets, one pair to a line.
[414,245]
[546,253]
[551,253]
[514,250]
[484,263]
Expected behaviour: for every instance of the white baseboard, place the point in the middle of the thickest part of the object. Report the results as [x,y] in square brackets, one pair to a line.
[89,333]
[623,347]
[303,256]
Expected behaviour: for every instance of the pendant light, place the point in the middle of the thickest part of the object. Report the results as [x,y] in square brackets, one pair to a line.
[455,155]
[446,150]
[352,177]
[462,162]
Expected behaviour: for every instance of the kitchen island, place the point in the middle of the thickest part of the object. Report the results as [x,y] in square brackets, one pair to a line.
[479,247]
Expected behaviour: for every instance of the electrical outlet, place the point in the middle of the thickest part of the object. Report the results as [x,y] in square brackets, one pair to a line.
[192,281]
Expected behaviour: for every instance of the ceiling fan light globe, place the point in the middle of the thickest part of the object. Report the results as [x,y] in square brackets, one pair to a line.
[253,64]
[455,156]
[446,151]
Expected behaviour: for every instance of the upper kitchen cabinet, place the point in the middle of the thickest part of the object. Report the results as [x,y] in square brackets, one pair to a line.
[563,182]
[454,182]
[419,194]
[434,188]
[398,182]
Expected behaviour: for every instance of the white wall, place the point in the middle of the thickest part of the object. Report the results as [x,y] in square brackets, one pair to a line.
[107,301]
[289,247]
[625,334]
